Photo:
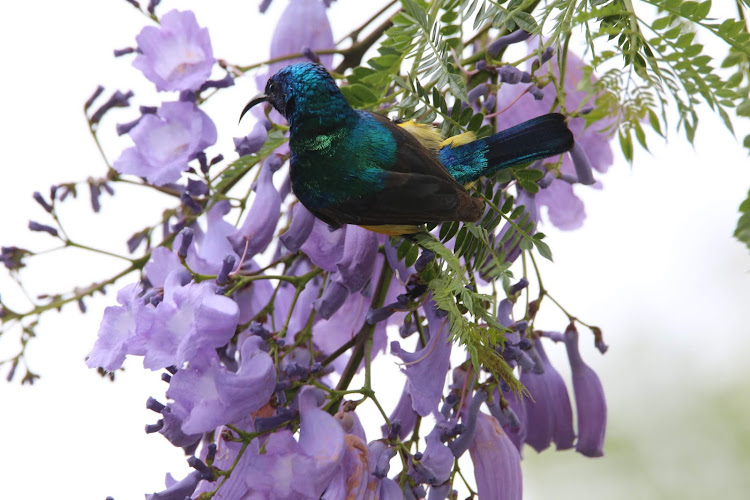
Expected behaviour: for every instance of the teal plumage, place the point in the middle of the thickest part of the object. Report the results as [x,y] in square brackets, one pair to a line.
[355,167]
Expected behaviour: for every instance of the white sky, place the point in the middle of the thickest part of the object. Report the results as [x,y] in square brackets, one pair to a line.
[655,264]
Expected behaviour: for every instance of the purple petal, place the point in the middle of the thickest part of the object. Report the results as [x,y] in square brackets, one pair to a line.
[214,396]
[261,219]
[497,464]
[209,249]
[177,55]
[304,23]
[358,259]
[582,165]
[323,246]
[178,490]
[590,403]
[437,458]
[427,367]
[548,414]
[166,141]
[404,414]
[117,333]
[334,296]
[564,209]
[400,270]
[189,319]
[352,477]
[322,440]
[300,228]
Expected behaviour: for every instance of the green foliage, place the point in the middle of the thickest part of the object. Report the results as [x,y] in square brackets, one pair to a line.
[639,67]
[241,166]
[742,232]
[663,63]
[453,293]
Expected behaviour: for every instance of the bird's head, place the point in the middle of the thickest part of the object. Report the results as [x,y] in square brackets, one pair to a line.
[304,88]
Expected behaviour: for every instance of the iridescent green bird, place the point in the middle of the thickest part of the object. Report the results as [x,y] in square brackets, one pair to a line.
[355,167]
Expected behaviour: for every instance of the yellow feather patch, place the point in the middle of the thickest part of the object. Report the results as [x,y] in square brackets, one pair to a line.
[393,229]
[425,134]
[459,140]
[429,137]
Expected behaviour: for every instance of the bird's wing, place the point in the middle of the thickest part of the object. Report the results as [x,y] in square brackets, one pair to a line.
[407,199]
[417,189]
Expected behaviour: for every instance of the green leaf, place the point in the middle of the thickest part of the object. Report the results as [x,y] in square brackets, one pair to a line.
[411,256]
[654,121]
[661,23]
[357,95]
[526,22]
[476,122]
[626,144]
[528,174]
[640,135]
[744,108]
[542,248]
[404,249]
[742,232]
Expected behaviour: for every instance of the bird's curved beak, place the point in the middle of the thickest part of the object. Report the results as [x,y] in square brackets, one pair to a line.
[254,101]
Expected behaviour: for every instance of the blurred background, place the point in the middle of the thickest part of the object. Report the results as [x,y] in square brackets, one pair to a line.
[655,266]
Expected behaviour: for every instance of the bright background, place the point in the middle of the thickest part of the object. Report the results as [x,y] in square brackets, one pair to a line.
[654,266]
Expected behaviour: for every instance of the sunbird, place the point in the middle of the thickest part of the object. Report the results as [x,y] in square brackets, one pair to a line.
[349,166]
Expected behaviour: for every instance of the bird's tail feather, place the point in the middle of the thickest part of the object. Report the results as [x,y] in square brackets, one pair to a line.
[536,139]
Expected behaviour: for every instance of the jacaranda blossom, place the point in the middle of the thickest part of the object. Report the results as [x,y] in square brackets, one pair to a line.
[177,55]
[303,24]
[564,209]
[590,403]
[497,464]
[166,141]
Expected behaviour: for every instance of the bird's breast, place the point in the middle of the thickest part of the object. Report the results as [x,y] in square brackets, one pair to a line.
[338,166]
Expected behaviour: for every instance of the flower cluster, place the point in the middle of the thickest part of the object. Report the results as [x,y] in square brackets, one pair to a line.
[260,335]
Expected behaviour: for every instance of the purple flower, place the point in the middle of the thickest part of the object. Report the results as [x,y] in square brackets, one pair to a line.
[177,55]
[548,413]
[208,249]
[352,477]
[323,246]
[300,228]
[178,489]
[565,209]
[501,43]
[212,395]
[160,265]
[166,141]
[260,222]
[304,23]
[323,445]
[400,271]
[334,296]
[192,317]
[590,404]
[437,459]
[404,414]
[497,463]
[118,330]
[170,425]
[380,486]
[358,259]
[302,309]
[252,142]
[330,334]
[427,367]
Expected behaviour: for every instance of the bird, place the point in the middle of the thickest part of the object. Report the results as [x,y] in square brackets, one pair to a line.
[350,166]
